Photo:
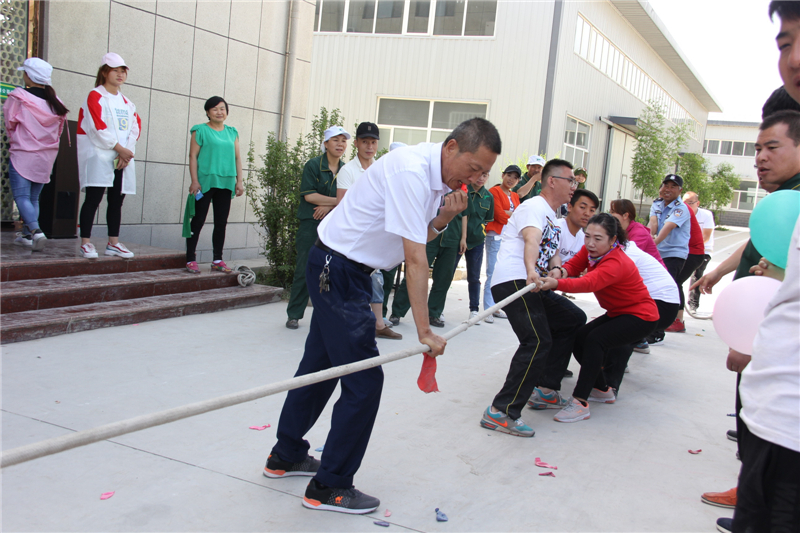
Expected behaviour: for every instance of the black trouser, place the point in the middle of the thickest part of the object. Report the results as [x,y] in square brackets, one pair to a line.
[563,326]
[91,202]
[221,199]
[674,266]
[768,493]
[617,358]
[596,339]
[692,263]
[694,296]
[542,325]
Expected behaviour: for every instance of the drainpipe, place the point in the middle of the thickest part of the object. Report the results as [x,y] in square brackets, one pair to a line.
[547,108]
[292,23]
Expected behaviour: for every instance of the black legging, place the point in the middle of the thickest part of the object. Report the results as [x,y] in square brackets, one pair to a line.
[222,207]
[692,263]
[113,213]
[594,340]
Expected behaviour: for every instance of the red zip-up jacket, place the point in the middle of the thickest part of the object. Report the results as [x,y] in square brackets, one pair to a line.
[501,205]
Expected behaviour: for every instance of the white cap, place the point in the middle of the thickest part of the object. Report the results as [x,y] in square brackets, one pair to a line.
[395,145]
[535,160]
[114,60]
[38,70]
[333,131]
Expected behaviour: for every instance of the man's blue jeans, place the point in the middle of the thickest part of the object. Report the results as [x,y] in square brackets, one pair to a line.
[26,195]
[492,247]
[474,264]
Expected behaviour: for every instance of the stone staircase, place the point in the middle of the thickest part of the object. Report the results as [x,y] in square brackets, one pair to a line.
[56,291]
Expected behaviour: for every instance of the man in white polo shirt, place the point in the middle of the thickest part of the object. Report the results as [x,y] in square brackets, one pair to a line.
[366,143]
[388,216]
[705,219]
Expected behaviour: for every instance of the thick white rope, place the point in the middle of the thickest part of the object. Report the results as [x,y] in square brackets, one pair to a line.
[123,427]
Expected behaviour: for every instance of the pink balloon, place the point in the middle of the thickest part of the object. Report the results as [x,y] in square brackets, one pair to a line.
[739,310]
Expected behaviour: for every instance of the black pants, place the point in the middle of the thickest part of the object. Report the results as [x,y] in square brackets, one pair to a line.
[674,266]
[694,296]
[617,358]
[542,326]
[564,318]
[692,263]
[768,494]
[596,339]
[91,202]
[221,198]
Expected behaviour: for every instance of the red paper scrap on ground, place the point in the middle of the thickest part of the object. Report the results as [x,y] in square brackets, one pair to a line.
[260,428]
[427,376]
[547,474]
[388,513]
[542,464]
[106,495]
[695,452]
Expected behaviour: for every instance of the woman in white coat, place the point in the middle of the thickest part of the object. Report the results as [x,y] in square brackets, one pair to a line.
[108,128]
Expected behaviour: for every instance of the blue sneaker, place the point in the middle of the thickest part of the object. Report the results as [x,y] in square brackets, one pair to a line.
[642,347]
[504,424]
[725,525]
[540,400]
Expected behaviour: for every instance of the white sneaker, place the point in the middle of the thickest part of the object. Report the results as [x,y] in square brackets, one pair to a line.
[23,240]
[88,251]
[118,249]
[39,241]
[573,412]
[499,314]
[473,314]
[602,397]
[489,319]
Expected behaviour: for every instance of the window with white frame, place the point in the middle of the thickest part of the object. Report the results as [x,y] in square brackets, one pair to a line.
[460,18]
[606,57]
[416,121]
[737,148]
[576,142]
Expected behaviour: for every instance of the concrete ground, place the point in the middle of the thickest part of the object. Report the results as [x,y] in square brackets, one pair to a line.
[625,469]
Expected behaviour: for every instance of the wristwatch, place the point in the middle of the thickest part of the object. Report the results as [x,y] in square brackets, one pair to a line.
[436,231]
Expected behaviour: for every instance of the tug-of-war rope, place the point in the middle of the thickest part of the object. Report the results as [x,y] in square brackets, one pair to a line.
[138,423]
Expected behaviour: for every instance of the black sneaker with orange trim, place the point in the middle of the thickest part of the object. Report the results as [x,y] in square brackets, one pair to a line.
[351,501]
[277,467]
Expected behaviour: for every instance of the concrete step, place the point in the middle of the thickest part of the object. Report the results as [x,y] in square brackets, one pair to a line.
[33,294]
[29,325]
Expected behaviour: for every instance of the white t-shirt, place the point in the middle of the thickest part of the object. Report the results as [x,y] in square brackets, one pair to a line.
[770,386]
[536,213]
[349,174]
[122,118]
[658,281]
[570,244]
[396,198]
[706,220]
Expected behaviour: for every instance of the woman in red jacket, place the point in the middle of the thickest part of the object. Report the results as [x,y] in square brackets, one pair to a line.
[631,314]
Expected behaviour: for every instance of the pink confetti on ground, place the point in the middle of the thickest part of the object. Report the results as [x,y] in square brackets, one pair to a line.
[547,474]
[538,462]
[388,513]
[695,452]
[260,428]
[106,495]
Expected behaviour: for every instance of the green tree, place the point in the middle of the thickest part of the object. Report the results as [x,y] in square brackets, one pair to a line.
[274,192]
[714,188]
[656,150]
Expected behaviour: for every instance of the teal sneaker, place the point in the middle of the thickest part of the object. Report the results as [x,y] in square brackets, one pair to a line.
[504,424]
[540,400]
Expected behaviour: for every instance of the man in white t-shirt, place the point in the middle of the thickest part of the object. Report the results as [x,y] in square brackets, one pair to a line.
[528,251]
[705,219]
[366,143]
[387,217]
[580,209]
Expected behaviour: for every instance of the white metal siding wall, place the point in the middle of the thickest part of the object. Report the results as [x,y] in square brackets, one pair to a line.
[732,133]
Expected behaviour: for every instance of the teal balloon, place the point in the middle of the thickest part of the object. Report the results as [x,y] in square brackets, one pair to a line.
[772,223]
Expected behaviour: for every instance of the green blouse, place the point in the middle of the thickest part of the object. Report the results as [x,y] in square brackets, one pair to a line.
[216,162]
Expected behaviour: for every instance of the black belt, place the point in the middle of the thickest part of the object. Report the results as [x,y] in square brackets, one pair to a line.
[361,266]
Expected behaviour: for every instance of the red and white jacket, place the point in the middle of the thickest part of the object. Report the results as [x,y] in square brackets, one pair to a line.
[97,137]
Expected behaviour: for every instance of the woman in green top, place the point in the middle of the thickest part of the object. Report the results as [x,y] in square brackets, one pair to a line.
[216,170]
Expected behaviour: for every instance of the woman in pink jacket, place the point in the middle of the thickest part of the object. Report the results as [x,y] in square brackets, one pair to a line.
[625,212]
[34,119]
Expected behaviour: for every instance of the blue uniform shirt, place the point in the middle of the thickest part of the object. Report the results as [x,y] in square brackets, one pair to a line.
[677,242]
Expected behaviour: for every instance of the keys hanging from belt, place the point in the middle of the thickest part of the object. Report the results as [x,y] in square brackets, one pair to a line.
[324,277]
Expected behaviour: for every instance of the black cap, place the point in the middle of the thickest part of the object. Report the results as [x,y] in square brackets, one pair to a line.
[368,129]
[674,178]
[512,168]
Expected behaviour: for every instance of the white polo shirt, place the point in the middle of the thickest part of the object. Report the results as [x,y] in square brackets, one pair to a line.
[706,220]
[396,198]
[658,281]
[349,174]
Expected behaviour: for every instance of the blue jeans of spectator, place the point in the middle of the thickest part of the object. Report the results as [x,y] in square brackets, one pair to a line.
[474,264]
[26,195]
[492,247]
[377,287]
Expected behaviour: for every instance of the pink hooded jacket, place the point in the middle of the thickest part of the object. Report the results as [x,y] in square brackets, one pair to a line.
[33,133]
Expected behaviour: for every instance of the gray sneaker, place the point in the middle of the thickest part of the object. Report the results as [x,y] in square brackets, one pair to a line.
[540,400]
[504,424]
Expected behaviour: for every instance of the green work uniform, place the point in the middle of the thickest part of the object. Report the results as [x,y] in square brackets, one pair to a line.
[479,211]
[537,188]
[317,178]
[751,256]
[441,252]
[388,284]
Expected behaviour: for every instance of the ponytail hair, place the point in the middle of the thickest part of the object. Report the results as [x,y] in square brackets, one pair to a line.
[611,226]
[55,104]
